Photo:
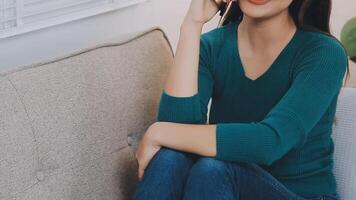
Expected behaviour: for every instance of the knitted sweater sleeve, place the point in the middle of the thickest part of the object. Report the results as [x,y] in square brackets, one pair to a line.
[317,79]
[190,109]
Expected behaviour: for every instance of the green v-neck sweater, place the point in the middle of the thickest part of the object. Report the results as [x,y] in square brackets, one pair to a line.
[281,121]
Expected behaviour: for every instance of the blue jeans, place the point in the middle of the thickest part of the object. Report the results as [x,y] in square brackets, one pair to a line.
[176,175]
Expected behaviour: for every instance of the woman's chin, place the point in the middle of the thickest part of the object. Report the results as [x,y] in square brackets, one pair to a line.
[256,15]
[255,10]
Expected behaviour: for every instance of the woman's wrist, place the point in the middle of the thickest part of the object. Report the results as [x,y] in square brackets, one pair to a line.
[153,133]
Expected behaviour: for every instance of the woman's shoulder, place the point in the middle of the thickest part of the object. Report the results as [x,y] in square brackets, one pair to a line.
[318,42]
[319,51]
[320,48]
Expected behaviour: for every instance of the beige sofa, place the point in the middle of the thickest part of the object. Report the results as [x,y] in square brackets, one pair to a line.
[69,127]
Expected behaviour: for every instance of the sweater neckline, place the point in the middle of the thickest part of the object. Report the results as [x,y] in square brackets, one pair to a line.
[236,54]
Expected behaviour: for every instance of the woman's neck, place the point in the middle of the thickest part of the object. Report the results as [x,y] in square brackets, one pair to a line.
[267,32]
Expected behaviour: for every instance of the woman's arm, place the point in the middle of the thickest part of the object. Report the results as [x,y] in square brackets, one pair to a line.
[189,83]
[182,77]
[194,138]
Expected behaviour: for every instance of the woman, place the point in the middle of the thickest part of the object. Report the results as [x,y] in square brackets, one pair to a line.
[273,73]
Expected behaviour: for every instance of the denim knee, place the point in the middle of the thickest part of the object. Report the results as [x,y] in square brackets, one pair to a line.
[208,167]
[165,175]
[167,158]
[172,156]
[209,178]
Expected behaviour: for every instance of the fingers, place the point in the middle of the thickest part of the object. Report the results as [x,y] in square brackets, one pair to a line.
[141,167]
[223,1]
[140,173]
[141,170]
[220,2]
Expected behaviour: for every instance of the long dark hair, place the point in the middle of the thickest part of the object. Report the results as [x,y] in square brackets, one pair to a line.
[308,15]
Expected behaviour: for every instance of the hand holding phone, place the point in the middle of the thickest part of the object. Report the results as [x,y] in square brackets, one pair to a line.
[202,11]
[225,9]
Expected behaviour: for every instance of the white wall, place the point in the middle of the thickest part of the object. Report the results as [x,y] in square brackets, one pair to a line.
[344,10]
[168,14]
[62,39]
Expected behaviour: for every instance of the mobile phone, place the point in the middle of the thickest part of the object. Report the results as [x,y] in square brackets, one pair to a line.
[224,8]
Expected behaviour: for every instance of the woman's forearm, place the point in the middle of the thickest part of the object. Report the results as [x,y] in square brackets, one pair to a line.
[182,79]
[194,138]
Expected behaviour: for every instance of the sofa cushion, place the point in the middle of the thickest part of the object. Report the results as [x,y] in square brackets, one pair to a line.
[18,159]
[344,136]
[87,112]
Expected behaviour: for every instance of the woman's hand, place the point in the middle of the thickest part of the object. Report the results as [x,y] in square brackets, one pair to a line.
[147,148]
[202,11]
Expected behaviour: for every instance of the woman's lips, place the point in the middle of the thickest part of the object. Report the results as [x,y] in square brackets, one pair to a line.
[258,2]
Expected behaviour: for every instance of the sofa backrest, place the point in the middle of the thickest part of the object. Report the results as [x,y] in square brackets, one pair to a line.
[69,126]
[344,136]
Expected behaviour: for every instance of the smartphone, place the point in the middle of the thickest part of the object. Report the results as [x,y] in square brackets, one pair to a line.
[225,8]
